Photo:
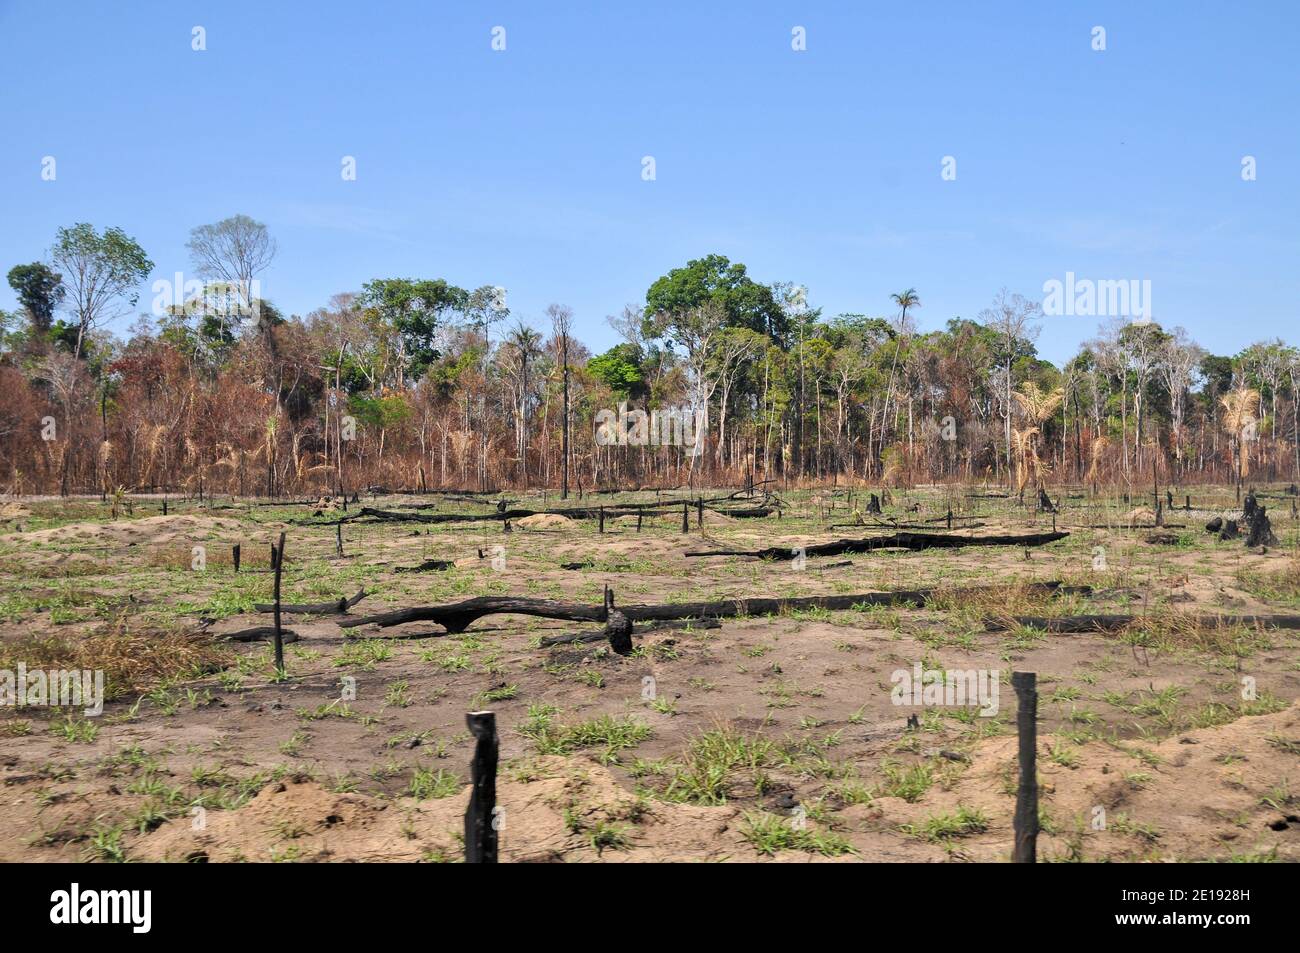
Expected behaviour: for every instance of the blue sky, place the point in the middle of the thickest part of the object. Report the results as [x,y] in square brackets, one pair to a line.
[523,168]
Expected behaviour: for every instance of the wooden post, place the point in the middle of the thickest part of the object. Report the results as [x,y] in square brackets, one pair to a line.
[164,504]
[686,517]
[480,829]
[601,516]
[699,506]
[618,628]
[338,538]
[1026,819]
[639,514]
[234,556]
[278,552]
[950,518]
[1155,489]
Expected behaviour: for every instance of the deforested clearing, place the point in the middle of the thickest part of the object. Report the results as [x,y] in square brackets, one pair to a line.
[722,733]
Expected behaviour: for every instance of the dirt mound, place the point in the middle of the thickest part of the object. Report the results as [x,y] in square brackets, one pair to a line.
[563,809]
[14,511]
[544,521]
[1138,515]
[149,529]
[1164,801]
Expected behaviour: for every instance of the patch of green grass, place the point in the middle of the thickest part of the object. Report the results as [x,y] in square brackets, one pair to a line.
[941,827]
[713,757]
[429,785]
[398,695]
[607,731]
[768,834]
[364,654]
[75,729]
[910,782]
[499,694]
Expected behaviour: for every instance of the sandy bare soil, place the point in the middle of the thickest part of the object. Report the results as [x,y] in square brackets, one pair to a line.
[762,738]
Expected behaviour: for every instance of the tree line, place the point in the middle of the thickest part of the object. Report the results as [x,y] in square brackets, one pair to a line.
[418,383]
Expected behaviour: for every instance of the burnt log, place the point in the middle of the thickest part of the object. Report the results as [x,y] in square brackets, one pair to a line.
[1077,624]
[338,606]
[261,633]
[456,616]
[429,565]
[912,541]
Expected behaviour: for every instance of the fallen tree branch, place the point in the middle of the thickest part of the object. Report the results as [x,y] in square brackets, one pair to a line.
[577,512]
[429,565]
[456,616]
[1074,624]
[912,541]
[260,633]
[338,606]
[598,635]
[923,525]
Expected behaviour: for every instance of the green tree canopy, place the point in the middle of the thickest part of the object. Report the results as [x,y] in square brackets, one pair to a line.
[619,369]
[410,310]
[714,279]
[39,289]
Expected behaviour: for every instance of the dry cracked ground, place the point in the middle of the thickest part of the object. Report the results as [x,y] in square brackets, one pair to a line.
[759,739]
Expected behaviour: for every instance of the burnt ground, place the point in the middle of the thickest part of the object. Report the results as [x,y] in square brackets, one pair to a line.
[765,738]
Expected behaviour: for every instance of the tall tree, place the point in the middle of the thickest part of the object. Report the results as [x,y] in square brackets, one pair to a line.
[235,251]
[906,301]
[40,290]
[100,273]
[561,327]
[713,279]
[1009,318]
[408,313]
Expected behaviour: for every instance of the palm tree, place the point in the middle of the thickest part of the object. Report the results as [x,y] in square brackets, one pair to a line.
[1037,405]
[1239,409]
[905,300]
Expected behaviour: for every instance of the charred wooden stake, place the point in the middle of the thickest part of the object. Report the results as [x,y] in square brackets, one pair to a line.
[699,507]
[278,552]
[618,628]
[164,505]
[480,827]
[1026,819]
[639,514]
[234,556]
[338,539]
[601,517]
[686,517]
